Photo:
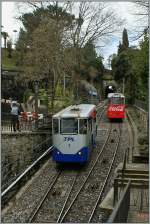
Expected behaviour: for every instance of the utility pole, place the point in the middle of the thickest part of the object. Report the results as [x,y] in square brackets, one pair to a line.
[46,90]
[123,86]
[64,85]
[36,103]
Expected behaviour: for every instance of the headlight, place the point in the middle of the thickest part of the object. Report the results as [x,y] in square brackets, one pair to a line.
[58,152]
[79,153]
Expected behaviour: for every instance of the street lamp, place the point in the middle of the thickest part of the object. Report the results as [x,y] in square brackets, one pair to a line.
[15,31]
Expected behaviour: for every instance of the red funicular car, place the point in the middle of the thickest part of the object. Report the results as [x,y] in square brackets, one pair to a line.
[116,106]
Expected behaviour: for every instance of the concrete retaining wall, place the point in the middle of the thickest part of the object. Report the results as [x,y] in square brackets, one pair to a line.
[18,151]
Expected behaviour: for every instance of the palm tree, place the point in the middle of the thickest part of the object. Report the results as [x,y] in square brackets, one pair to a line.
[5,35]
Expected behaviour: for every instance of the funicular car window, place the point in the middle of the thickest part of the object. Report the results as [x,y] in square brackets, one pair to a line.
[117,100]
[55,126]
[69,126]
[83,126]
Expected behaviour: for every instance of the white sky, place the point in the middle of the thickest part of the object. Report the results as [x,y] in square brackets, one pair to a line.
[123,9]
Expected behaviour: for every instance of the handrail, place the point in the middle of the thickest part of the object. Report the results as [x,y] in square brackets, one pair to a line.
[133,131]
[141,105]
[125,158]
[120,212]
[26,171]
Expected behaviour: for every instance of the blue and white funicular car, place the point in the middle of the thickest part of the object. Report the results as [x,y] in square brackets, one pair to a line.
[74,132]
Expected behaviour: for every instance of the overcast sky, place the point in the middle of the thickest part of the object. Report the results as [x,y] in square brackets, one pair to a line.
[124,10]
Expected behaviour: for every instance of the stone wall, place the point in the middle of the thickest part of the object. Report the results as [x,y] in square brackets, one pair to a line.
[19,150]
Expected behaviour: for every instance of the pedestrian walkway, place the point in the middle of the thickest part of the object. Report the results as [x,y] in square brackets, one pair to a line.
[139,206]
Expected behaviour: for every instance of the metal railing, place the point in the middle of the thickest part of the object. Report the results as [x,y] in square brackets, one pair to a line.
[134,134]
[141,104]
[20,179]
[120,212]
[24,124]
[26,171]
[12,169]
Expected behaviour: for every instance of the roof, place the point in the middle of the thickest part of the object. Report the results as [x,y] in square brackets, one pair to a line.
[118,95]
[81,110]
[110,95]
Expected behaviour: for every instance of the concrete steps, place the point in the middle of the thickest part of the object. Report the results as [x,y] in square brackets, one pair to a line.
[138,173]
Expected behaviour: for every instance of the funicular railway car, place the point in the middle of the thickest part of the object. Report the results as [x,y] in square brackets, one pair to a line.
[74,132]
[116,106]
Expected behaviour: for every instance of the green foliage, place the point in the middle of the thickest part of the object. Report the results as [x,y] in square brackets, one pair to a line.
[47,47]
[92,65]
[132,65]
[43,96]
[27,94]
[9,48]
[121,66]
[9,63]
[21,47]
[125,41]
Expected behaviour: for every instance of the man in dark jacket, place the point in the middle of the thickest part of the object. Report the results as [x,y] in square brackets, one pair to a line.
[15,115]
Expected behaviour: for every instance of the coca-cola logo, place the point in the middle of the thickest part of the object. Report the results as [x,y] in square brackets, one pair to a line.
[119,108]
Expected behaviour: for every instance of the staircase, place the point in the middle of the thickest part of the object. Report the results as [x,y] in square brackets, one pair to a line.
[136,172]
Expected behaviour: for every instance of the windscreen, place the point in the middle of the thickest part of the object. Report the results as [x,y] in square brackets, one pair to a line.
[55,126]
[69,126]
[117,100]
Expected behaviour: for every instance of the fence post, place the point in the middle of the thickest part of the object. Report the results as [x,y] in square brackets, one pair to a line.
[115,191]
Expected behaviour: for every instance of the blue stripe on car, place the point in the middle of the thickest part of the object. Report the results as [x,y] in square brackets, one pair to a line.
[60,157]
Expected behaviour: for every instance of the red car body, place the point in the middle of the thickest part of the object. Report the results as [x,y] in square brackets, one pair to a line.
[116,107]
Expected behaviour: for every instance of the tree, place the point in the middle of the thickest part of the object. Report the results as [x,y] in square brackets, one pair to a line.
[53,40]
[48,58]
[141,67]
[141,11]
[125,41]
[120,48]
[9,48]
[132,65]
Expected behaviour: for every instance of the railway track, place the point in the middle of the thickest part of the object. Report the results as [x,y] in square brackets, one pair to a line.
[84,198]
[53,192]
[73,201]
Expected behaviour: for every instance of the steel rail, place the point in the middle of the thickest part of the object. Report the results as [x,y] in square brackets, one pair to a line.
[106,179]
[133,138]
[25,172]
[101,113]
[62,210]
[44,197]
[70,206]
[130,120]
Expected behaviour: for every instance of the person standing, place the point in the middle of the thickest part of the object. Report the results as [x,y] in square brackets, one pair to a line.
[15,115]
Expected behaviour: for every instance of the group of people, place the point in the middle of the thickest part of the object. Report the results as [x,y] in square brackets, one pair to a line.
[15,112]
